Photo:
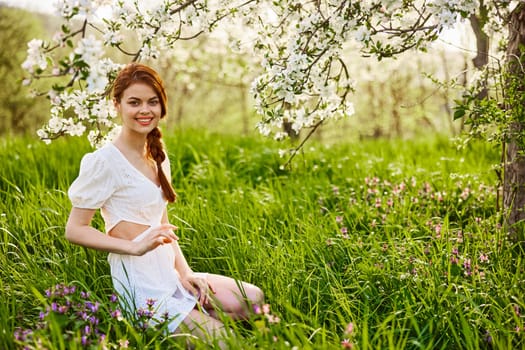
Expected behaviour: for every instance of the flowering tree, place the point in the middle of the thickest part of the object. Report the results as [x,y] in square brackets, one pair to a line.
[302,47]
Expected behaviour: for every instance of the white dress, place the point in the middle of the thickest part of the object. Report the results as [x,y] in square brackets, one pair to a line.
[108,181]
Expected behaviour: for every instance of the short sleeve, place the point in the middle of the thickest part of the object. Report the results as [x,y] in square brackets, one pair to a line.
[95,183]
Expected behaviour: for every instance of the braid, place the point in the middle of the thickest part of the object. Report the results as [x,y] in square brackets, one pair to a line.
[156,152]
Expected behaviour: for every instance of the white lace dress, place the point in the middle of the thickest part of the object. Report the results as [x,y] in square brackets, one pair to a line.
[108,181]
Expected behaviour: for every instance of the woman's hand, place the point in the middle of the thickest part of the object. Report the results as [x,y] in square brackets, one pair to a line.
[159,235]
[199,287]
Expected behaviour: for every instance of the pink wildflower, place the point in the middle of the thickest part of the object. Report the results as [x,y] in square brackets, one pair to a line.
[273,319]
[349,328]
[347,344]
[483,257]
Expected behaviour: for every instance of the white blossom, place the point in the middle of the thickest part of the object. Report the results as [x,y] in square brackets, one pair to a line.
[149,52]
[55,124]
[89,49]
[264,129]
[35,56]
[96,82]
[43,135]
[448,18]
[112,38]
[362,34]
[283,152]
[75,129]
[69,9]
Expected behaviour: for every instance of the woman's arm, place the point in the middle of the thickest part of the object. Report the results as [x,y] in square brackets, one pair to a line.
[79,231]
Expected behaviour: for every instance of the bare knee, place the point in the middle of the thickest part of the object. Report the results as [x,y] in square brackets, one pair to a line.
[207,328]
[202,324]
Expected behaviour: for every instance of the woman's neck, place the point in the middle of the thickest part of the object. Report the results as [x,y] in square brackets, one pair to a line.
[132,144]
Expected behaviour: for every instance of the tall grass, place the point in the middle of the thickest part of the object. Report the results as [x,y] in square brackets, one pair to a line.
[399,239]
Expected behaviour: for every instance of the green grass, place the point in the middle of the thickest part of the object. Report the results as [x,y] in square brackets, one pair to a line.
[401,239]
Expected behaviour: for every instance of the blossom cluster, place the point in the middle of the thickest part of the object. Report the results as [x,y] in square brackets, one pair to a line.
[305,81]
[302,48]
[72,113]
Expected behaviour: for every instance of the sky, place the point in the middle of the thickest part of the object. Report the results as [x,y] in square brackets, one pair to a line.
[45,6]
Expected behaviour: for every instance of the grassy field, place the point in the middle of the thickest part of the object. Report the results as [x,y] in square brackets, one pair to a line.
[370,245]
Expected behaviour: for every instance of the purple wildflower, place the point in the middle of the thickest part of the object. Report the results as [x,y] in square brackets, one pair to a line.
[93,320]
[84,340]
[92,307]
[116,313]
[62,309]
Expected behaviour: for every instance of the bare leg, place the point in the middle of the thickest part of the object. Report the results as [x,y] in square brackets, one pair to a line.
[233,297]
[204,327]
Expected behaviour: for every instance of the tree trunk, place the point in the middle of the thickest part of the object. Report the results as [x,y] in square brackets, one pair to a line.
[477,23]
[514,166]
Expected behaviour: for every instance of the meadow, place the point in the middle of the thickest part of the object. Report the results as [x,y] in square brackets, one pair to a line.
[367,245]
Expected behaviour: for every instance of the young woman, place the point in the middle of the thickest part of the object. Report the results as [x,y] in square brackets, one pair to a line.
[129,181]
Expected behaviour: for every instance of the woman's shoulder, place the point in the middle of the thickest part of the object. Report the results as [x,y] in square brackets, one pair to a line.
[103,153]
[96,180]
[98,159]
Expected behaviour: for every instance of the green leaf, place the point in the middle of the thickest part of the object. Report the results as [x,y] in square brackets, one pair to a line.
[459,113]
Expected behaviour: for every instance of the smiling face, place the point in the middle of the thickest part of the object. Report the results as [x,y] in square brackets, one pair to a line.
[140,108]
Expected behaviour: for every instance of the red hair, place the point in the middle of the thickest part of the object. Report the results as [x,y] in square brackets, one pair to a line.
[140,73]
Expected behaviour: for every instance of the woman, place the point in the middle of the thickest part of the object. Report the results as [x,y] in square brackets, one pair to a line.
[129,181]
